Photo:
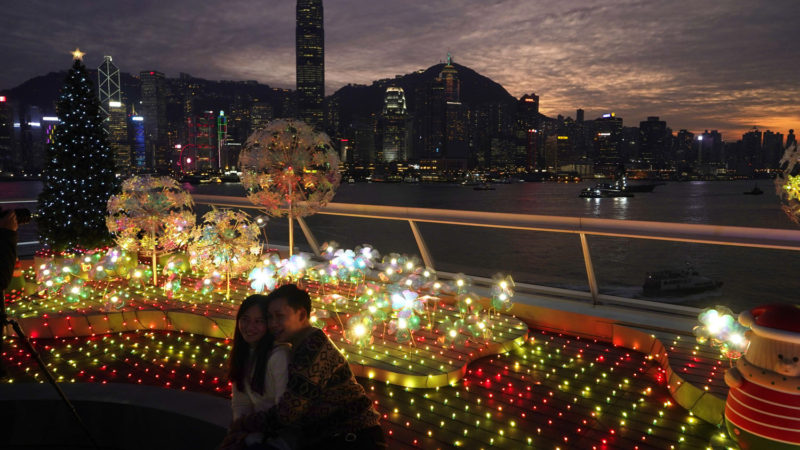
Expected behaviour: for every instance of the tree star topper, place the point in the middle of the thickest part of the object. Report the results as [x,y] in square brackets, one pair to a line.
[78,54]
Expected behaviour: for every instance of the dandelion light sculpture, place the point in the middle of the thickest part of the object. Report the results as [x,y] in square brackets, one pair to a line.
[226,241]
[289,169]
[151,214]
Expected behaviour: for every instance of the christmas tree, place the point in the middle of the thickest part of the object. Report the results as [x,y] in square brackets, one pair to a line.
[79,175]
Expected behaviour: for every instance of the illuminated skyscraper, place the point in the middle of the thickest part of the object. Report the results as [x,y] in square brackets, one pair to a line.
[117,126]
[108,86]
[394,125]
[7,159]
[310,52]
[154,111]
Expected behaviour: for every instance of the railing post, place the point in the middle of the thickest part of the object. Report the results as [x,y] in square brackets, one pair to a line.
[587,259]
[423,249]
[312,241]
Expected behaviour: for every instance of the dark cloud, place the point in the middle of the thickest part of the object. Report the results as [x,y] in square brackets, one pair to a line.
[719,65]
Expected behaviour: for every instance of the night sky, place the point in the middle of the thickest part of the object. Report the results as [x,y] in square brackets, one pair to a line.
[726,65]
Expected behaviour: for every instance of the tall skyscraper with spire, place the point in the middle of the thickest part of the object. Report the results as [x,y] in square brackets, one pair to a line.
[108,84]
[116,117]
[310,49]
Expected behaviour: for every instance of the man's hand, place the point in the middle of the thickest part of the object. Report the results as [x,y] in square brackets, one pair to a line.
[9,221]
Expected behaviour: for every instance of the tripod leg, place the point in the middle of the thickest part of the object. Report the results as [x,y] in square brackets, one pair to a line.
[29,347]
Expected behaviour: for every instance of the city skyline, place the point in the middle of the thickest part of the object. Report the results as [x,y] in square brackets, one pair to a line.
[726,67]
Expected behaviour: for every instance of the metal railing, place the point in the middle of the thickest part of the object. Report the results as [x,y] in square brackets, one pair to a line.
[769,238]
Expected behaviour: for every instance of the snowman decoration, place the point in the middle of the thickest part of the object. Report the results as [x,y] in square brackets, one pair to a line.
[763,406]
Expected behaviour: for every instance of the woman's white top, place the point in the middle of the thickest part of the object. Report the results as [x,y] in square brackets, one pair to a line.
[275,378]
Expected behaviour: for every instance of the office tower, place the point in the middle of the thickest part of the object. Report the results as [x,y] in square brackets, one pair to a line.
[429,117]
[607,140]
[117,126]
[528,133]
[653,142]
[394,117]
[260,115]
[7,159]
[364,139]
[752,146]
[452,85]
[579,115]
[200,152]
[108,87]
[222,141]
[154,111]
[310,54]
[773,149]
[710,142]
[137,139]
[456,149]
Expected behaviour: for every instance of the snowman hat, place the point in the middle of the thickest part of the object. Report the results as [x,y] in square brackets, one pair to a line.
[778,321]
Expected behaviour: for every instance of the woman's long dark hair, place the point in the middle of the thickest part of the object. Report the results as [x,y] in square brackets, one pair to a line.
[240,352]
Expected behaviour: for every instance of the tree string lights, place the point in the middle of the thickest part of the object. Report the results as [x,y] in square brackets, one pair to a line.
[79,170]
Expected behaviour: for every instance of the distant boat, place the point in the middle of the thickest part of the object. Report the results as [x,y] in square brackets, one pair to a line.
[603,190]
[755,191]
[484,187]
[677,282]
[351,180]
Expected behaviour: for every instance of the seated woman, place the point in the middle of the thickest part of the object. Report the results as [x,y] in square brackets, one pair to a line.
[258,372]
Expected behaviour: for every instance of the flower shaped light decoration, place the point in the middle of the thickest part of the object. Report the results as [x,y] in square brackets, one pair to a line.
[226,241]
[263,278]
[289,169]
[359,330]
[152,214]
[502,292]
[366,256]
[328,249]
[720,329]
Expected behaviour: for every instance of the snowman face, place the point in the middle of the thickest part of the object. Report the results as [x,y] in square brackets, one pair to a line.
[788,365]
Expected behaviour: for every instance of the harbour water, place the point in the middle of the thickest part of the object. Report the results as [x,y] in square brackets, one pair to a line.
[750,276]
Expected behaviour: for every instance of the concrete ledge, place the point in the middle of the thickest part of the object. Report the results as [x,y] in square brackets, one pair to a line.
[120,416]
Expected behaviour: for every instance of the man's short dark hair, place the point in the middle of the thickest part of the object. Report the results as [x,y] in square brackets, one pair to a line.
[295,297]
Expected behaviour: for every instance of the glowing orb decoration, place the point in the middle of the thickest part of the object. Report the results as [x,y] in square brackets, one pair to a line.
[720,329]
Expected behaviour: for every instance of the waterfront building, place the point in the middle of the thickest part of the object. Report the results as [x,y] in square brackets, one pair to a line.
[394,117]
[363,145]
[310,60]
[429,121]
[528,133]
[200,152]
[608,135]
[8,162]
[260,114]
[117,125]
[773,149]
[137,139]
[653,142]
[154,111]
[751,152]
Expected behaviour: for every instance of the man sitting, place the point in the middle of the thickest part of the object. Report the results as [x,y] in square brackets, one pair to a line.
[323,400]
